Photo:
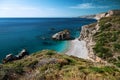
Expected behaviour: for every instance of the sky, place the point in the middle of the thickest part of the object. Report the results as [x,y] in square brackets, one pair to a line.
[55,8]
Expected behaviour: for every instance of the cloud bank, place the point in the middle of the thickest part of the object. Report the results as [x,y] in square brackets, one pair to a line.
[87,6]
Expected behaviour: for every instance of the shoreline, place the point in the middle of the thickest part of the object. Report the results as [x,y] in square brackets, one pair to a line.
[67,46]
[77,48]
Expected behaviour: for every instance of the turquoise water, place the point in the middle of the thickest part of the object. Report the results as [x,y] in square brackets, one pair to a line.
[19,33]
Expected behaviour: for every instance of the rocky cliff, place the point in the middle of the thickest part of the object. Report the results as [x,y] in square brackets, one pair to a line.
[86,35]
[107,14]
[101,15]
[102,38]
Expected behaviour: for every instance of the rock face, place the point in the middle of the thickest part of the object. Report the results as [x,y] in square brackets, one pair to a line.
[86,35]
[88,32]
[62,35]
[11,57]
[99,16]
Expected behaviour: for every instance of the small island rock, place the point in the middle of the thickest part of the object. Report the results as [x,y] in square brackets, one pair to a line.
[62,35]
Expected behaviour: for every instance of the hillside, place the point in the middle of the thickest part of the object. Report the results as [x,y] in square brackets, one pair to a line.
[107,40]
[102,40]
[49,65]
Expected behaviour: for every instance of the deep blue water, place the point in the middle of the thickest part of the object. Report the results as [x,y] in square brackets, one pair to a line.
[19,33]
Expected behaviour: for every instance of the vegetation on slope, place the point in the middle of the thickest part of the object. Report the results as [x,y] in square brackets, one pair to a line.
[47,65]
[108,40]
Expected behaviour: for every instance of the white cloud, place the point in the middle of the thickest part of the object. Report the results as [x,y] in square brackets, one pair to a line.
[87,6]
[15,10]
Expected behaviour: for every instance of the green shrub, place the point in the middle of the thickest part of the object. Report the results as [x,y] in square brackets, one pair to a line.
[96,69]
[105,69]
[32,64]
[50,53]
[117,64]
[116,46]
[118,57]
[102,51]
[105,26]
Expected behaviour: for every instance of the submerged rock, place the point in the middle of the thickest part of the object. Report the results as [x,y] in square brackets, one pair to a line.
[47,43]
[52,29]
[62,35]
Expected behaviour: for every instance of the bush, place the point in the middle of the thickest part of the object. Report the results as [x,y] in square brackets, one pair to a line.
[105,26]
[32,64]
[116,46]
[70,60]
[117,64]
[105,69]
[118,57]
[102,52]
[50,53]
[96,69]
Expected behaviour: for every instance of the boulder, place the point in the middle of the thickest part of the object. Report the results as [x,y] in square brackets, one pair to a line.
[9,58]
[22,54]
[62,35]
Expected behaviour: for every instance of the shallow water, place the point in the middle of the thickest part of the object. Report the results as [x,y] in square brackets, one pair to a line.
[34,34]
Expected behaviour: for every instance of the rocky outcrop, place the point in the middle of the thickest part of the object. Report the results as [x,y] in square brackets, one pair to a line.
[101,15]
[11,57]
[62,35]
[22,54]
[107,14]
[88,31]
[86,35]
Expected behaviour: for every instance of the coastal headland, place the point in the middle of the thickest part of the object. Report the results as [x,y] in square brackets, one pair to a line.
[94,55]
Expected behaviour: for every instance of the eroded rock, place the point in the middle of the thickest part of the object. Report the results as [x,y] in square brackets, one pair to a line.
[62,35]
[11,57]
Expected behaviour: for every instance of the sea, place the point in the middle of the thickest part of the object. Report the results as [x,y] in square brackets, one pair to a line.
[34,34]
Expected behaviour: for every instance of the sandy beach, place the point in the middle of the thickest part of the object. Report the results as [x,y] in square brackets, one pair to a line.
[78,48]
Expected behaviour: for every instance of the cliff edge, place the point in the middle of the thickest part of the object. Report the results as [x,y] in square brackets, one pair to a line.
[101,15]
[102,39]
[107,14]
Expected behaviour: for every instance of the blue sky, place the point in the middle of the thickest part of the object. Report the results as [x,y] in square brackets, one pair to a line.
[55,8]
